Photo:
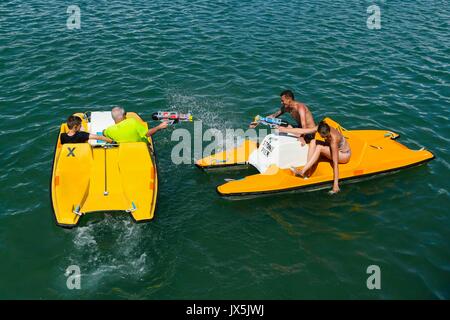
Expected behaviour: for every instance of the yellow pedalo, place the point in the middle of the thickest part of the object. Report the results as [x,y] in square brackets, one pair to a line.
[98,177]
[373,152]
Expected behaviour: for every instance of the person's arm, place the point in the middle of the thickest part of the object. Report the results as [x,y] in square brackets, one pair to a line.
[303,117]
[274,115]
[278,113]
[153,130]
[335,156]
[297,131]
[97,137]
[253,125]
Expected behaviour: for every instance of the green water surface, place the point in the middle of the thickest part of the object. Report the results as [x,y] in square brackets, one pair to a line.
[226,61]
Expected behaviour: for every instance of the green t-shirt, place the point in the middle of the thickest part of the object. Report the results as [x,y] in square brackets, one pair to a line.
[128,130]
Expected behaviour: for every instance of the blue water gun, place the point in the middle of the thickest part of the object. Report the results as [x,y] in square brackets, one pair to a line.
[271,122]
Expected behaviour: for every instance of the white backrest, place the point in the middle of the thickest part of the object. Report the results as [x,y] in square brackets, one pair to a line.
[100,120]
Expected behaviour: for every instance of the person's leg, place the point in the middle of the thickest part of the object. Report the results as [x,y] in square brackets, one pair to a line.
[323,150]
[344,157]
[311,149]
[314,158]
[326,151]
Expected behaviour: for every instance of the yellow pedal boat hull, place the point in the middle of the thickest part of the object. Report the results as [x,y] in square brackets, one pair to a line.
[87,179]
[373,152]
[225,159]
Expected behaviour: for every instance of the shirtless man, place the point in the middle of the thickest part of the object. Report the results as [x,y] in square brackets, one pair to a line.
[299,111]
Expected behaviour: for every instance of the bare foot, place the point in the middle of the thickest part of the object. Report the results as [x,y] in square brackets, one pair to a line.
[299,173]
[295,171]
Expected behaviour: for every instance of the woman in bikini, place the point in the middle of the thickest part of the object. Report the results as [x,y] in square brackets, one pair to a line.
[335,148]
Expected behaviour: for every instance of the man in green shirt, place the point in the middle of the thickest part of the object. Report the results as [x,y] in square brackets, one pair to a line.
[129,129]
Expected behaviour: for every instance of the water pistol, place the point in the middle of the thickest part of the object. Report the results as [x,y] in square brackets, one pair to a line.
[271,122]
[172,116]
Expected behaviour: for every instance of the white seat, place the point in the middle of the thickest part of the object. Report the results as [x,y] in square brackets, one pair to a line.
[284,151]
[100,120]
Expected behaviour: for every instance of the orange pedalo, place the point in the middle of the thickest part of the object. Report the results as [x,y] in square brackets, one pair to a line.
[373,152]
